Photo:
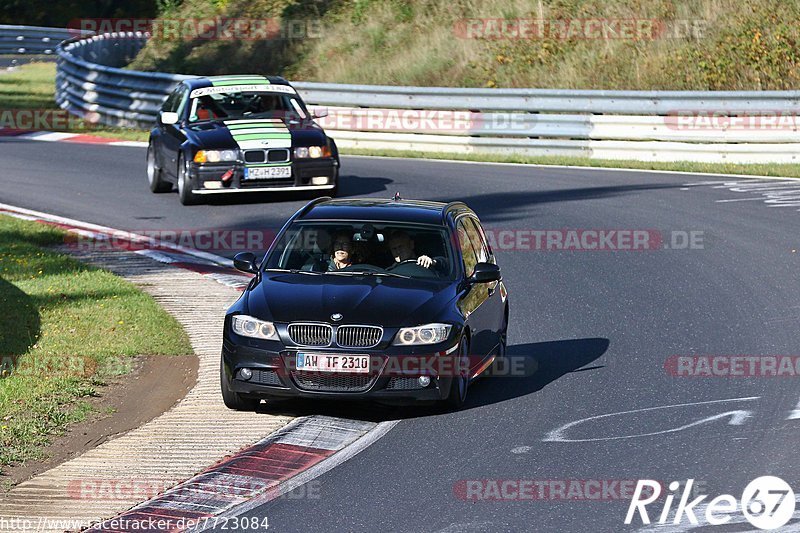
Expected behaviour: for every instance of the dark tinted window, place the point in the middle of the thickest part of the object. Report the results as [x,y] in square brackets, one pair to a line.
[467,249]
[311,246]
[477,240]
[173,100]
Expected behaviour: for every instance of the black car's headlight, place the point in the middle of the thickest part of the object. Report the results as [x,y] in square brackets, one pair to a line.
[426,334]
[216,156]
[248,326]
[311,152]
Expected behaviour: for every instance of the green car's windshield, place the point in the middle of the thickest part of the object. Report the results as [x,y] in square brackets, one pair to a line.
[246,105]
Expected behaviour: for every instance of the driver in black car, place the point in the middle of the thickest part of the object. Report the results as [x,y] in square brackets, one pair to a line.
[402,247]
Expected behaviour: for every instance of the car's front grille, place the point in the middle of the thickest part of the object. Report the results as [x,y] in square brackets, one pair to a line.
[358,336]
[333,381]
[266,182]
[310,334]
[275,155]
[265,377]
[403,383]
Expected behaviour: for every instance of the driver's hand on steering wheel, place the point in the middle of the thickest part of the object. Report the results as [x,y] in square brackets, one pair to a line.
[425,261]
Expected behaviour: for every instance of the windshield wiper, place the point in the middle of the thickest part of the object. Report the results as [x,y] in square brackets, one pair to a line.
[368,273]
[292,271]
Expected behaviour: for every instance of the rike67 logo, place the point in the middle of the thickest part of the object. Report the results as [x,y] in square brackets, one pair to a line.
[767,502]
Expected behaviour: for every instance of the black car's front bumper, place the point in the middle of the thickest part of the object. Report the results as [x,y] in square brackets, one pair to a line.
[274,374]
[307,174]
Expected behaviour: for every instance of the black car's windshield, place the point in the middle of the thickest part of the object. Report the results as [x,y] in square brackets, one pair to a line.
[365,248]
[246,105]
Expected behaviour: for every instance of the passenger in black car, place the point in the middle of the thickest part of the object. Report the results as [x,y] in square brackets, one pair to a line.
[341,252]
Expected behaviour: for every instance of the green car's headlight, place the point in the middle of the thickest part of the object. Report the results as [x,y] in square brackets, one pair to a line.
[216,156]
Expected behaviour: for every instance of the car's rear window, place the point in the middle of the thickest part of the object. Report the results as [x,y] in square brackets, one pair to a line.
[380,248]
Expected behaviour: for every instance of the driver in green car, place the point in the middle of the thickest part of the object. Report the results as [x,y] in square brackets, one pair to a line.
[402,247]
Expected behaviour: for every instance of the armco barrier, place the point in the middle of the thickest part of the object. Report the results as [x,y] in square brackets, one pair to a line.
[643,125]
[31,40]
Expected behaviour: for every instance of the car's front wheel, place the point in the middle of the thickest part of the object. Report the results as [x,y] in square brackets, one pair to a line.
[460,382]
[185,192]
[155,176]
[234,400]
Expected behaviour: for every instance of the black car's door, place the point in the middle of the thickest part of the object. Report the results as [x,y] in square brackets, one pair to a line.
[495,302]
[171,135]
[476,302]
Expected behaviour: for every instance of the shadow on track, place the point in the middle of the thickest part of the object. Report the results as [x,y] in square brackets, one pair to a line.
[515,205]
[544,362]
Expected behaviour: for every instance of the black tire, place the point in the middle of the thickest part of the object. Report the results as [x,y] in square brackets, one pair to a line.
[185,191]
[459,385]
[234,400]
[155,175]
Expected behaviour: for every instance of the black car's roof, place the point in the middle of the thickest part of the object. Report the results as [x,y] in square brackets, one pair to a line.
[197,83]
[378,209]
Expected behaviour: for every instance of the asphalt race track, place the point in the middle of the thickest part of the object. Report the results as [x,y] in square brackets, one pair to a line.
[601,328]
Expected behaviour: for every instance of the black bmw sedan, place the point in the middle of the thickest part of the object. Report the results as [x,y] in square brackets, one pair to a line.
[239,134]
[391,300]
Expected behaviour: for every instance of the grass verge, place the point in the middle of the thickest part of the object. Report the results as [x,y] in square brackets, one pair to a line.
[65,328]
[754,169]
[31,87]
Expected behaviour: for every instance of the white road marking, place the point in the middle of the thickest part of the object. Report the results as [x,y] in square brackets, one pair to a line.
[738,200]
[794,415]
[737,418]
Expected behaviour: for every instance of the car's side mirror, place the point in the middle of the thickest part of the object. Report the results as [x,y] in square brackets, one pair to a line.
[246,262]
[485,273]
[320,112]
[168,117]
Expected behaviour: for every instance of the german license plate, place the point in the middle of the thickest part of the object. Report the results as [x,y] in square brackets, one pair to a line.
[255,173]
[323,362]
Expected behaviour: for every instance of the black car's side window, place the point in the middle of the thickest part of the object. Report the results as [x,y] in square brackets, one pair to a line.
[475,237]
[485,241]
[467,251]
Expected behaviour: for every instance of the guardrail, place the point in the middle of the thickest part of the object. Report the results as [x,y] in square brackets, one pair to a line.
[31,40]
[754,126]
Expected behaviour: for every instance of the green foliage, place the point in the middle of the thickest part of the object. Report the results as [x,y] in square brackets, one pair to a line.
[64,328]
[694,44]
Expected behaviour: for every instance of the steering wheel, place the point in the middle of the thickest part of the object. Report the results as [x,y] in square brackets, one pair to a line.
[411,268]
[403,262]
